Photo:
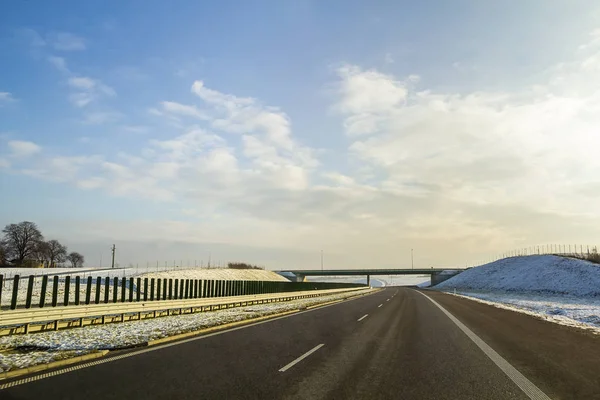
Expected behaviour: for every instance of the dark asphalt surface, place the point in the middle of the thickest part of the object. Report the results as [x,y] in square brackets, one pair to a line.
[406,349]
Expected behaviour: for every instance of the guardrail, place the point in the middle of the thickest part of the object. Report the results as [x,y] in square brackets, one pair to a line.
[23,321]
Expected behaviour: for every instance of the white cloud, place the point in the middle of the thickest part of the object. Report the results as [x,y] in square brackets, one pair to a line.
[65,41]
[59,63]
[98,117]
[174,108]
[526,147]
[86,90]
[21,148]
[6,97]
[4,163]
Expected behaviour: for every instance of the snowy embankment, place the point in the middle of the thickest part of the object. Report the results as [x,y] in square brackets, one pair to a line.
[559,289]
[21,351]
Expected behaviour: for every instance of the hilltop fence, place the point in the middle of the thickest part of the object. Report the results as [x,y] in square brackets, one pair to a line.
[46,291]
[580,251]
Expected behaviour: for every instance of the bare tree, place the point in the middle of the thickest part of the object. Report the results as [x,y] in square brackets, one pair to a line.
[40,253]
[21,240]
[3,258]
[55,252]
[76,259]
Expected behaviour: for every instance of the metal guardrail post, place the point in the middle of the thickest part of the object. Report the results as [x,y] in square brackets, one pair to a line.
[54,291]
[29,291]
[77,289]
[67,287]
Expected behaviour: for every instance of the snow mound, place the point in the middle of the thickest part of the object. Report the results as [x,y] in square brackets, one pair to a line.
[539,274]
[219,274]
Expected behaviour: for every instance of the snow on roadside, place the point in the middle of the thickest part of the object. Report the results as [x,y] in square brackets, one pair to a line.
[558,289]
[570,311]
[20,351]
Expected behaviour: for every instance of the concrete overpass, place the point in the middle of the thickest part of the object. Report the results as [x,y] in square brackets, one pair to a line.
[437,274]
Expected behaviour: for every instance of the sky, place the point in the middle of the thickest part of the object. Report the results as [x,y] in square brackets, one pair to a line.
[269,131]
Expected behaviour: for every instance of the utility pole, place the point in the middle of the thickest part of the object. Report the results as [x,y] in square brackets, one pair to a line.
[113,256]
[321,260]
[412,263]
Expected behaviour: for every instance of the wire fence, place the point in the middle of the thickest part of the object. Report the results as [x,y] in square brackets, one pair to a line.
[579,251]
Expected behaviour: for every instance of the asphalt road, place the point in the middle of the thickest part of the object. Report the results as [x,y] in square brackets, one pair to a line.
[395,344]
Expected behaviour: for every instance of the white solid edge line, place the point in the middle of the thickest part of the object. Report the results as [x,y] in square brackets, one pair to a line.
[99,361]
[302,357]
[528,387]
[363,317]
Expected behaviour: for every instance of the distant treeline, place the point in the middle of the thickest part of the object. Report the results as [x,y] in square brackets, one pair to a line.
[241,265]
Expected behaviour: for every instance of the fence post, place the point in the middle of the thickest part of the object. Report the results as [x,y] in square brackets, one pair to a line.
[115,289]
[145,289]
[131,289]
[176,288]
[54,291]
[67,287]
[164,296]
[186,293]
[123,289]
[43,292]
[88,291]
[29,291]
[181,287]
[106,289]
[151,289]
[13,301]
[98,289]
[170,288]
[158,288]
[77,288]
[1,288]
[138,289]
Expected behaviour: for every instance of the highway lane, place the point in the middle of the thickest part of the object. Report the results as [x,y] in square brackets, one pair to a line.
[395,344]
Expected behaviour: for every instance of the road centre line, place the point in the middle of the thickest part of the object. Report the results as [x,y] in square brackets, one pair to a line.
[528,387]
[302,357]
[363,317]
[379,305]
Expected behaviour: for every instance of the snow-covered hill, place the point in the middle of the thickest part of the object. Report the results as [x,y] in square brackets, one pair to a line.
[539,274]
[557,289]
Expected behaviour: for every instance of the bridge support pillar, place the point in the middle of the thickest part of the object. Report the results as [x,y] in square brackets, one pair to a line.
[369,280]
[439,277]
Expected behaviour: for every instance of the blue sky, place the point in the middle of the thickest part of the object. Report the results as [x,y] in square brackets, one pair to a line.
[269,130]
